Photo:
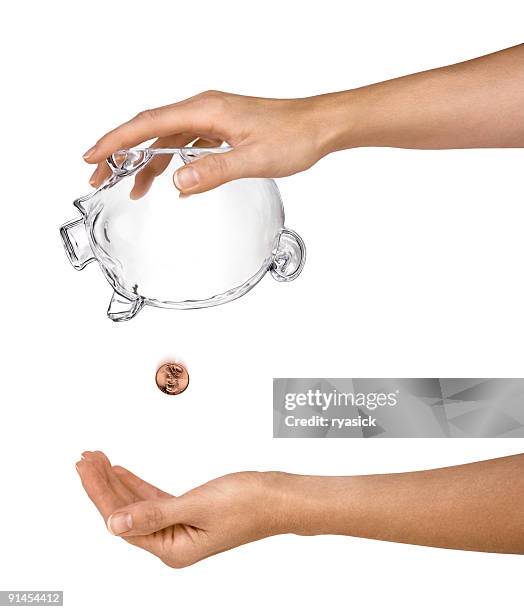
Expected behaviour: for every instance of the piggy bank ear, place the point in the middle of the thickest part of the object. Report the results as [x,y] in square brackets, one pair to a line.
[289,256]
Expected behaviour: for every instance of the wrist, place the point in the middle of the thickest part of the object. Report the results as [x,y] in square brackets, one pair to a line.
[309,505]
[276,501]
[338,121]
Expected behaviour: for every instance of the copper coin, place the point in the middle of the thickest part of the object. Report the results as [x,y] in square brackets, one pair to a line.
[172,378]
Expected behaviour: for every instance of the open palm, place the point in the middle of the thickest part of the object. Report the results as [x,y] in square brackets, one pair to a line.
[219,515]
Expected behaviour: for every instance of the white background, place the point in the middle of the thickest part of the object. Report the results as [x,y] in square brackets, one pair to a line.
[414,269]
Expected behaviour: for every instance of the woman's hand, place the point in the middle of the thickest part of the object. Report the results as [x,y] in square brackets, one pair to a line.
[270,138]
[479,103]
[477,506]
[222,514]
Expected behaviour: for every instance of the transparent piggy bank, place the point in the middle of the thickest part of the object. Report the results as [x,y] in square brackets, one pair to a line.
[180,252]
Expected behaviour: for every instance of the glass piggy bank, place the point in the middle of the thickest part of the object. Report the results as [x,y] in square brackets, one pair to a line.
[178,252]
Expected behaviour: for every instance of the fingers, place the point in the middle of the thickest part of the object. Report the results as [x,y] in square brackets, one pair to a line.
[96,485]
[144,179]
[213,170]
[147,517]
[194,116]
[160,525]
[207,143]
[101,462]
[117,493]
[101,173]
[140,488]
[99,487]
[121,490]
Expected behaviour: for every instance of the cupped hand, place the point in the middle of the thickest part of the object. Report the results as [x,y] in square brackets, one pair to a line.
[217,516]
[270,138]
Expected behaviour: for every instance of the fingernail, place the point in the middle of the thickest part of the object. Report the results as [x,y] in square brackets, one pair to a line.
[88,153]
[120,522]
[185,178]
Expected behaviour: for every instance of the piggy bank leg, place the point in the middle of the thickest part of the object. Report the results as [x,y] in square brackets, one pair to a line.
[122,308]
[289,257]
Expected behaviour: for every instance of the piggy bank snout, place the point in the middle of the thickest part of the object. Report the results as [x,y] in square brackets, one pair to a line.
[76,244]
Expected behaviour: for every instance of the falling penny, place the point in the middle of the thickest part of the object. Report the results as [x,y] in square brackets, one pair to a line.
[172,378]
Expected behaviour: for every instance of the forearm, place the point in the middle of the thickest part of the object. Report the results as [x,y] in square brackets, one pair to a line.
[478,506]
[478,103]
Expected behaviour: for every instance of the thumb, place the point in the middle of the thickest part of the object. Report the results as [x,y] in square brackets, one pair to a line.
[145,517]
[212,170]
